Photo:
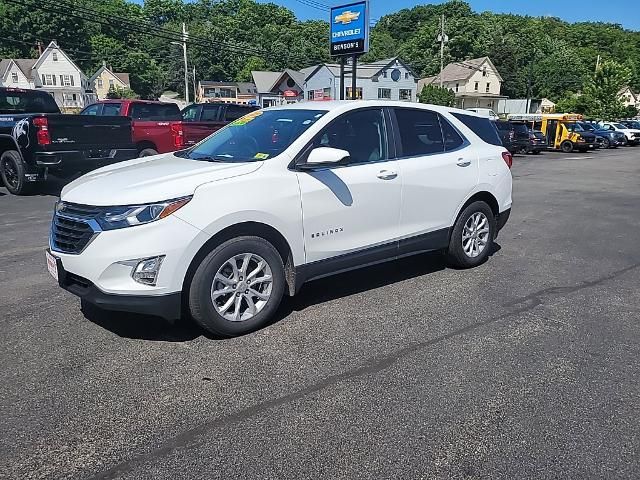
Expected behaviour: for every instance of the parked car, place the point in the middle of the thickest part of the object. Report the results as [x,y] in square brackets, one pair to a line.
[36,139]
[277,198]
[632,134]
[605,138]
[485,112]
[537,142]
[635,124]
[514,136]
[560,130]
[157,126]
[202,119]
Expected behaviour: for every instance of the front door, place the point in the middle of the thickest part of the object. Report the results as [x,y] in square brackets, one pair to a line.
[439,170]
[350,212]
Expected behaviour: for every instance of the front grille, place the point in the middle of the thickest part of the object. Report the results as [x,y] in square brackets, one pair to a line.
[71,229]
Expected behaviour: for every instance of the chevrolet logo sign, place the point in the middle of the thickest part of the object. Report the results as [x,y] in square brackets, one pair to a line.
[345,18]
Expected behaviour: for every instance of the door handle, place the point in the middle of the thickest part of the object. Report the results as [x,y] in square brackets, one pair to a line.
[463,163]
[387,174]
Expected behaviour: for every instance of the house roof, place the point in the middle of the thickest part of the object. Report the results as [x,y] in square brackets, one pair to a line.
[461,71]
[122,77]
[54,45]
[4,66]
[265,80]
[364,70]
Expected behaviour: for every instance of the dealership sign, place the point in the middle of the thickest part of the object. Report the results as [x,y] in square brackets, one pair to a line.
[350,29]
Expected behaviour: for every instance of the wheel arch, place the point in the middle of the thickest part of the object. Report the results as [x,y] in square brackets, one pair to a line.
[141,145]
[482,196]
[7,142]
[249,228]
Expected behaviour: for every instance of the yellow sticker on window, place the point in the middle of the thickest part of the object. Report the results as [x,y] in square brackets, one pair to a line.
[246,119]
[261,156]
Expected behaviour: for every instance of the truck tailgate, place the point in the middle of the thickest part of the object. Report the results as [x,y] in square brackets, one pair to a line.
[78,131]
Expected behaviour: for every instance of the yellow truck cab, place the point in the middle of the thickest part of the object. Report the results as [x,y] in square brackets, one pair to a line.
[562,130]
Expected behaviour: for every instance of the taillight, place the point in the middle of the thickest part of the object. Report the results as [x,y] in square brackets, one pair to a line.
[178,135]
[42,130]
[508,158]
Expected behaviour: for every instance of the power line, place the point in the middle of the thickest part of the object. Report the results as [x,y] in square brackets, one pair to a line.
[316,5]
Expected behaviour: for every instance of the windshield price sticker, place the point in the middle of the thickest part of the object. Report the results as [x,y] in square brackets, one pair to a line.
[247,118]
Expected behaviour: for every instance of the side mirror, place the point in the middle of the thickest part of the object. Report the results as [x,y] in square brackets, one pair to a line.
[324,157]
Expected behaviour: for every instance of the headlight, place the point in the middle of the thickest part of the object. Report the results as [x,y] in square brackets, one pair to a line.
[113,218]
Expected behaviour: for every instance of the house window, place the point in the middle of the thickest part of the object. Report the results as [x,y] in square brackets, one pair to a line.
[100,83]
[457,87]
[226,93]
[48,79]
[54,55]
[111,84]
[406,76]
[65,80]
[484,72]
[14,77]
[310,95]
[384,74]
[488,87]
[358,93]
[477,86]
[384,93]
[405,94]
[326,93]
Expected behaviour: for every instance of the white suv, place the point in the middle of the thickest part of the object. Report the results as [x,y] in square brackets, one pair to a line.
[277,198]
[632,134]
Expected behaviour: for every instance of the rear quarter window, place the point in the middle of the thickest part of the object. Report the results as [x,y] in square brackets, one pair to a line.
[155,111]
[482,127]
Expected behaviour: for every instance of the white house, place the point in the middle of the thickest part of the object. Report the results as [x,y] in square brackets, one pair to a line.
[277,88]
[389,79]
[54,72]
[476,83]
[629,98]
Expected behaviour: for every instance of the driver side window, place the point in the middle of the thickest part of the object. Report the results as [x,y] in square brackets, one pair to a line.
[361,133]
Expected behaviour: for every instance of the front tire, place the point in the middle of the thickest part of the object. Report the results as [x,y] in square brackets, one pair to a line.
[606,143]
[12,171]
[567,146]
[147,152]
[472,236]
[238,287]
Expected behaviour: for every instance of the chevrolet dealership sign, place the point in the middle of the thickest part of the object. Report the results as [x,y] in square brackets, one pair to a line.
[350,29]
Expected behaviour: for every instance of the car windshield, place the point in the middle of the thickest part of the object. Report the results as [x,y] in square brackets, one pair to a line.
[588,127]
[575,127]
[634,125]
[257,136]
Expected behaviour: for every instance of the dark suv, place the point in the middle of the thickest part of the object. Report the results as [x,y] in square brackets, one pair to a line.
[514,136]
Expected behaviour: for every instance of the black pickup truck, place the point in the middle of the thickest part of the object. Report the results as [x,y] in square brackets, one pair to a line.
[36,139]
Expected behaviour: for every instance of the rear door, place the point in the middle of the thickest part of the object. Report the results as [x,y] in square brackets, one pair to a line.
[439,170]
[205,122]
[351,212]
[152,123]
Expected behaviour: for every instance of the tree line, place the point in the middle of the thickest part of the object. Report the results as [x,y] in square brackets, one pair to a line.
[540,57]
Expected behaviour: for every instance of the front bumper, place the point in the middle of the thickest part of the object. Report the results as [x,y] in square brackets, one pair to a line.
[167,306]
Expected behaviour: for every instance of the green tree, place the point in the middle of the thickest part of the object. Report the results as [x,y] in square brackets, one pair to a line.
[437,96]
[120,92]
[603,90]
[630,112]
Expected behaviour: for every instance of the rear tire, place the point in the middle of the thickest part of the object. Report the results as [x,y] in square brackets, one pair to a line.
[147,152]
[12,171]
[567,146]
[472,236]
[228,301]
[606,143]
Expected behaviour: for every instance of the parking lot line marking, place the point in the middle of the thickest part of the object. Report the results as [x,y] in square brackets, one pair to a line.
[576,158]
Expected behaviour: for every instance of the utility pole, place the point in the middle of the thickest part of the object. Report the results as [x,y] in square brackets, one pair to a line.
[186,69]
[195,88]
[442,38]
[598,63]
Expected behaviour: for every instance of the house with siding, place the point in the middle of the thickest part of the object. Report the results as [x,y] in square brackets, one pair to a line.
[226,92]
[476,83]
[105,79]
[54,72]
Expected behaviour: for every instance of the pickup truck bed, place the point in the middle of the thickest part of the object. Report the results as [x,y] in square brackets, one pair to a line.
[36,143]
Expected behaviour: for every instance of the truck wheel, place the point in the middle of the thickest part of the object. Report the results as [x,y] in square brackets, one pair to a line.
[567,146]
[472,236]
[147,152]
[12,172]
[238,287]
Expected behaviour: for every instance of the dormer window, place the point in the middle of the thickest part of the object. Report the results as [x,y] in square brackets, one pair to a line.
[484,71]
[54,55]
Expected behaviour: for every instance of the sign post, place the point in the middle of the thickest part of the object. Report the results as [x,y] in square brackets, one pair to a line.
[349,37]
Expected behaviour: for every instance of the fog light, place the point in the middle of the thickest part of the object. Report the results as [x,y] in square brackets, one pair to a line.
[146,271]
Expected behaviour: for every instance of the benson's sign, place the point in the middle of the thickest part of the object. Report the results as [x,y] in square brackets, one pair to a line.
[350,29]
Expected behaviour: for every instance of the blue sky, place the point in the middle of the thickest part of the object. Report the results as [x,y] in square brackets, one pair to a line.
[624,12]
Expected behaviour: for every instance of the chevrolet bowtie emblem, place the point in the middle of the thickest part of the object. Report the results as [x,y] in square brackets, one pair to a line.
[347,17]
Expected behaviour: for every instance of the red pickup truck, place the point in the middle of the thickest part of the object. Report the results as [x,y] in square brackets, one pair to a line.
[159,127]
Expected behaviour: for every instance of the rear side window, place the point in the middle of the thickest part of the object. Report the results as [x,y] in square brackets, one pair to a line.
[520,128]
[483,127]
[211,113]
[235,112]
[92,109]
[155,111]
[111,109]
[503,126]
[452,138]
[20,101]
[420,132]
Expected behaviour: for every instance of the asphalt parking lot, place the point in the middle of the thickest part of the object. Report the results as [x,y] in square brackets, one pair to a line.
[526,367]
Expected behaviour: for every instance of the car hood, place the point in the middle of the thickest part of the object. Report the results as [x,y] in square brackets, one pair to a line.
[149,179]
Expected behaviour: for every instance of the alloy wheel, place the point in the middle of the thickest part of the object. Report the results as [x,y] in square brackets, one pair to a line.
[10,173]
[475,235]
[242,287]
